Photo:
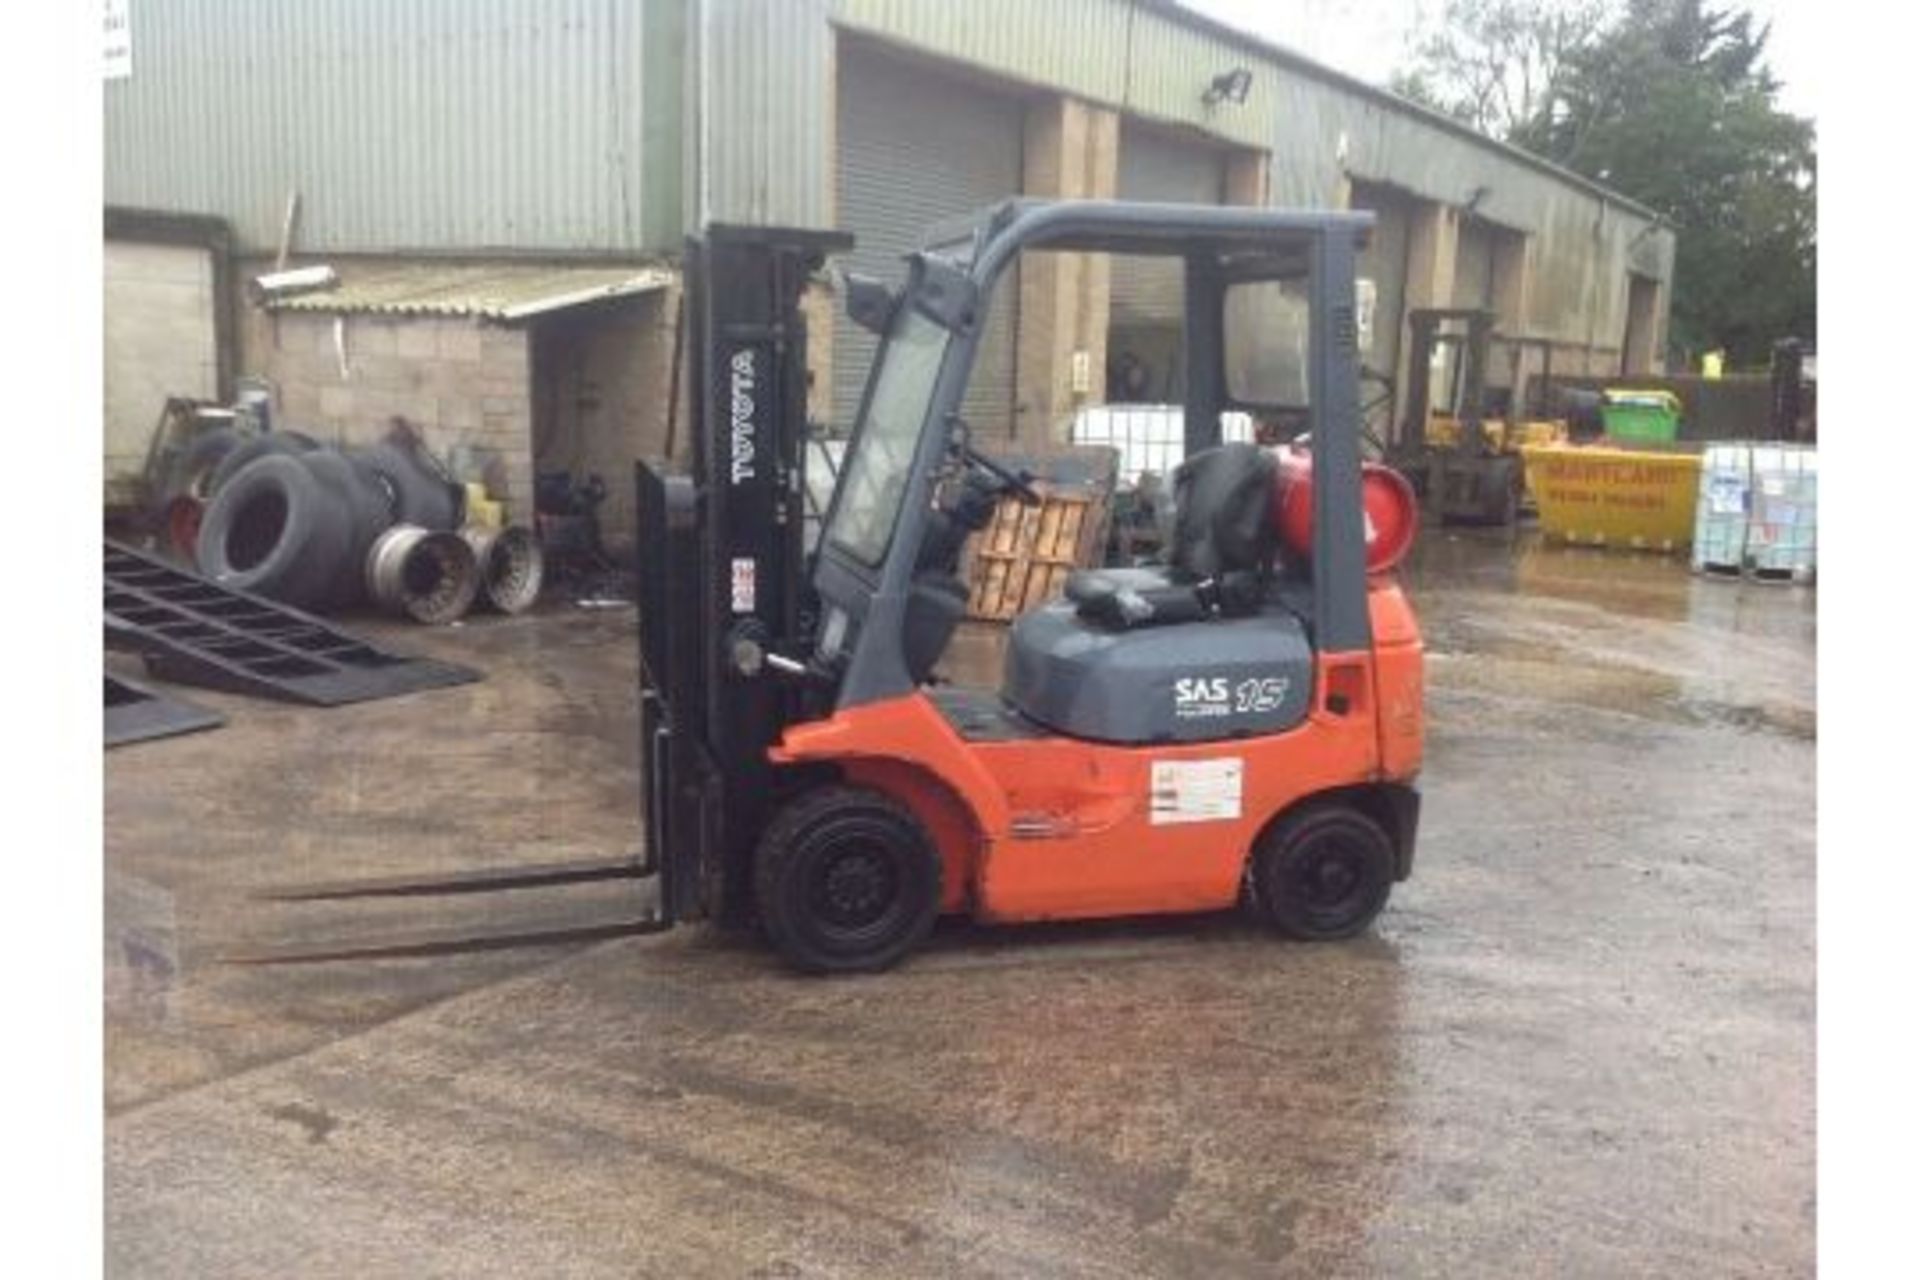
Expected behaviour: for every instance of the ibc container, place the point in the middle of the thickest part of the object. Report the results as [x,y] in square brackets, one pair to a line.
[1758,512]
[1784,512]
[1720,520]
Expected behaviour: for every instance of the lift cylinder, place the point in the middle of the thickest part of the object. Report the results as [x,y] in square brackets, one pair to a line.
[1392,511]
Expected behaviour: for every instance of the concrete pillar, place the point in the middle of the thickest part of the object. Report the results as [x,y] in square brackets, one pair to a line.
[1072,151]
[819,304]
[1657,331]
[1642,337]
[1433,242]
[1513,254]
[1249,177]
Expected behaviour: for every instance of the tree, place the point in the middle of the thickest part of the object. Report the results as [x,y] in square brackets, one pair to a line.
[1496,63]
[1670,102]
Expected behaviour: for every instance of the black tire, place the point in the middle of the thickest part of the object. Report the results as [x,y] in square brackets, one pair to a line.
[276,529]
[1323,872]
[272,444]
[368,516]
[846,880]
[415,493]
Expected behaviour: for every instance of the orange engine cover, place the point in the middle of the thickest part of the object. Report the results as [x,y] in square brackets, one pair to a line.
[1056,828]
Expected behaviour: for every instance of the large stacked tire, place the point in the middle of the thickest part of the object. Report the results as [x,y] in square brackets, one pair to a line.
[368,513]
[277,529]
[413,492]
[296,521]
[236,459]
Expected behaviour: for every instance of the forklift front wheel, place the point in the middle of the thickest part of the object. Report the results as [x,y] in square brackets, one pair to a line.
[1323,872]
[846,880]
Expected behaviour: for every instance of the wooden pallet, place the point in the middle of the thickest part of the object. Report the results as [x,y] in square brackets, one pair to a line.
[1022,559]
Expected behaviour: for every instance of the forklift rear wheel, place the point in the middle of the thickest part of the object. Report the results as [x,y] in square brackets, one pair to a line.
[1323,872]
[846,880]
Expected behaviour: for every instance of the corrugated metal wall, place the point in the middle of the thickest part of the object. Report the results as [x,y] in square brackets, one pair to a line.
[414,124]
[765,103]
[1320,131]
[1122,54]
[541,125]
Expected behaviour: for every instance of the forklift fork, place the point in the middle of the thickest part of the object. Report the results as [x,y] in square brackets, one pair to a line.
[451,942]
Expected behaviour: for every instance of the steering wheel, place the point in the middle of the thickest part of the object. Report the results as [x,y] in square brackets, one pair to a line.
[1018,483]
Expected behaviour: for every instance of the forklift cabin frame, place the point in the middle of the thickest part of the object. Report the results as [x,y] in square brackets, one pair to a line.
[741,638]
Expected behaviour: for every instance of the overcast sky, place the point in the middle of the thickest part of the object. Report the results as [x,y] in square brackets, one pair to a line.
[1370,38]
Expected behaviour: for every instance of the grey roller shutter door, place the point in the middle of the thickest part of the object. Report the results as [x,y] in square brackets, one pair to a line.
[1155,166]
[917,148]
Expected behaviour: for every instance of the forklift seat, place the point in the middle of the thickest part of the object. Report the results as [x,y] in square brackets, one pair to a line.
[1202,649]
[1222,545]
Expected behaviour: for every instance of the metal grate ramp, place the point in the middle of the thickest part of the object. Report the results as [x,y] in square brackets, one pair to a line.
[135,713]
[193,630]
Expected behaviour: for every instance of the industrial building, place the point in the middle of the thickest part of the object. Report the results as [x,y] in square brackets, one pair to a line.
[501,187]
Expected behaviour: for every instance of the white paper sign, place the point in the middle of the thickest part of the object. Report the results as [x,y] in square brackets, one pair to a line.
[745,584]
[1196,791]
[119,47]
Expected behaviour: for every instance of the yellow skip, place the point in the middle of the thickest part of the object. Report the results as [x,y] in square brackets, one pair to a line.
[1614,497]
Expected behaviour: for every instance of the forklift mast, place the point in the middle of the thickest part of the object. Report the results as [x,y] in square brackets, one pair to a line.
[721,563]
[1425,327]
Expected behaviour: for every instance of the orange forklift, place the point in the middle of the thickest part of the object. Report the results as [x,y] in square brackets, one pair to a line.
[1242,724]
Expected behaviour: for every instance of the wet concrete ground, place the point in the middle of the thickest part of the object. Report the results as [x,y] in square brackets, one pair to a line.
[1580,1041]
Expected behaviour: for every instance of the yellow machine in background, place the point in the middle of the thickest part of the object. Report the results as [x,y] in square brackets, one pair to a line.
[1467,467]
[1444,430]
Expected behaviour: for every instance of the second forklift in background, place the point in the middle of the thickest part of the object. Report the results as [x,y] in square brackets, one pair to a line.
[1468,467]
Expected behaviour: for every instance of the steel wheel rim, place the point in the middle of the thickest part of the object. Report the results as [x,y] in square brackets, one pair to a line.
[854,889]
[1330,880]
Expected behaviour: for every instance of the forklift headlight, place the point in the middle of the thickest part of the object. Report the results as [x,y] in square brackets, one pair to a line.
[749,656]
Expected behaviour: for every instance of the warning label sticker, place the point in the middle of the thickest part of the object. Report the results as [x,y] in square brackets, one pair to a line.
[744,584]
[1196,790]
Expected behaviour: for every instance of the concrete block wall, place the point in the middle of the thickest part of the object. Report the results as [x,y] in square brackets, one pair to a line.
[465,386]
